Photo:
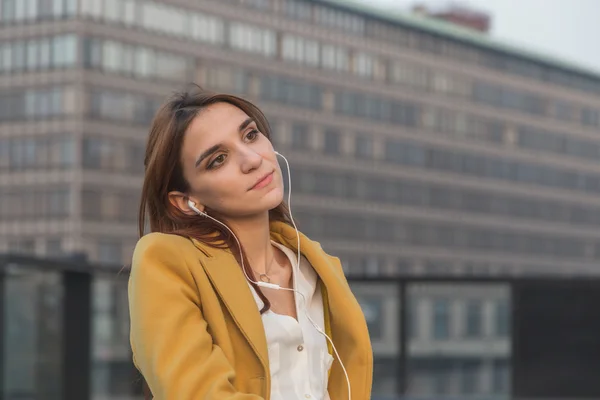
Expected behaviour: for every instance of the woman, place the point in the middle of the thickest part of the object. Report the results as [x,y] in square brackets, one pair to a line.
[207,320]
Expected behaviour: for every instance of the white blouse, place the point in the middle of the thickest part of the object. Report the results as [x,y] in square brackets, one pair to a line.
[299,359]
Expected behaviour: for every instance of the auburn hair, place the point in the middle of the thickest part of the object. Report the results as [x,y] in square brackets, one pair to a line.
[164,173]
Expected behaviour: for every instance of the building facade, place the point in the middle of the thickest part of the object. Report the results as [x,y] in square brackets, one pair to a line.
[416,147]
[434,148]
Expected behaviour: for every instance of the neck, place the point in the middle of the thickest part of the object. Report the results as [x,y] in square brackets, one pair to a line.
[254,235]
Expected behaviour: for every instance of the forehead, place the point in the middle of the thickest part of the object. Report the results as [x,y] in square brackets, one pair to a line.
[215,122]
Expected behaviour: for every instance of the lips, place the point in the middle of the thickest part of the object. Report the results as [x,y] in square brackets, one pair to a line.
[262,182]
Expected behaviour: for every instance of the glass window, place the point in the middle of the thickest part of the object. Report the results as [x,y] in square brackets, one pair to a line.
[112,56]
[372,307]
[92,8]
[91,204]
[58,9]
[470,377]
[8,10]
[502,321]
[113,10]
[300,136]
[20,12]
[363,64]
[301,50]
[54,247]
[110,251]
[59,202]
[163,18]
[590,117]
[298,9]
[92,52]
[441,319]
[364,146]
[335,57]
[291,92]
[67,151]
[64,50]
[261,4]
[563,110]
[31,9]
[252,39]
[18,56]
[332,141]
[7,57]
[45,51]
[98,153]
[473,318]
[207,29]
[70,7]
[145,62]
[169,66]
[501,377]
[129,12]
[33,51]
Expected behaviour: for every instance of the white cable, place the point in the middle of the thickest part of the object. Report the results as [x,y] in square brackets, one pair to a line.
[273,286]
[289,202]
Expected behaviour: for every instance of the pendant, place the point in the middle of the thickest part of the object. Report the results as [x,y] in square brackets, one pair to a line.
[264,278]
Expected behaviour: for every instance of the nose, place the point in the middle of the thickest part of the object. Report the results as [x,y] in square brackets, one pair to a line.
[250,159]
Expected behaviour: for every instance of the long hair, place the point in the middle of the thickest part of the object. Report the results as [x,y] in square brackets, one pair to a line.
[164,173]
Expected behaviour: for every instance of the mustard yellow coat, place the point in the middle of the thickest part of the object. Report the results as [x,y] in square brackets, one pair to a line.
[196,331]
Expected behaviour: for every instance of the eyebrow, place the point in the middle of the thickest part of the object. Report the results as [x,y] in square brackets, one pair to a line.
[216,147]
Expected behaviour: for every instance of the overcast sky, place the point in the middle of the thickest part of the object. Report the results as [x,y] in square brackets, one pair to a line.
[569,30]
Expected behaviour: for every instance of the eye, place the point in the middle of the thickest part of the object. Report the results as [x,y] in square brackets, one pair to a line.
[252,135]
[218,160]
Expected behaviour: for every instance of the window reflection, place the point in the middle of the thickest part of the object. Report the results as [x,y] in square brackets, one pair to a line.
[140,61]
[39,53]
[421,233]
[252,38]
[291,92]
[441,362]
[381,307]
[122,106]
[28,10]
[32,334]
[112,372]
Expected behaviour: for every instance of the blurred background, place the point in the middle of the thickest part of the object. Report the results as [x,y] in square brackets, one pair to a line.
[448,153]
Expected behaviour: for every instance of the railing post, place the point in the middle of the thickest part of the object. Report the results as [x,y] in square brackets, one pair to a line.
[403,345]
[77,320]
[3,266]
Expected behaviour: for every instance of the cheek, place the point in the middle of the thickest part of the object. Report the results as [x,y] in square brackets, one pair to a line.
[222,187]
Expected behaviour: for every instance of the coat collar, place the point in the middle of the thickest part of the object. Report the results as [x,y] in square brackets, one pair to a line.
[231,285]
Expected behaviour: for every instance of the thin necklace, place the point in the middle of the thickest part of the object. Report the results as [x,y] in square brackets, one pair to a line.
[264,277]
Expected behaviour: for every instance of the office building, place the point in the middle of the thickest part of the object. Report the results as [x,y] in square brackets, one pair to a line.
[417,147]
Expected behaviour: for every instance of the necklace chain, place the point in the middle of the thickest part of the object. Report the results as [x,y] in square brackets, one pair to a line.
[264,276]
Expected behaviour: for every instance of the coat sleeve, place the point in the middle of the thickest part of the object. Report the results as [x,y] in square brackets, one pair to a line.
[171,345]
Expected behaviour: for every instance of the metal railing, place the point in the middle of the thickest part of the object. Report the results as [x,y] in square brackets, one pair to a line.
[65,335]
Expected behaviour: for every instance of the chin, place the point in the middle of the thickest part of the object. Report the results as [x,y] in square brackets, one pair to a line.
[273,198]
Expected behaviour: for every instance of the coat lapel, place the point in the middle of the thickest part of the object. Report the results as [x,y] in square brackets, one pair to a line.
[232,287]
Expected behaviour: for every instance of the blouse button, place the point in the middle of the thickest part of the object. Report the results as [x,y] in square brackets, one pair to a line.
[300,348]
[308,396]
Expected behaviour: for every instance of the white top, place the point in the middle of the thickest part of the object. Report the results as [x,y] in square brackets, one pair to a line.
[299,359]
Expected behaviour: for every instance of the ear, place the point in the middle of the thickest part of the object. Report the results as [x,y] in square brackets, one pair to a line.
[180,200]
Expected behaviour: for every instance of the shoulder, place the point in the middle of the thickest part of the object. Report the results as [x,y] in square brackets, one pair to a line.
[331,260]
[162,251]
[161,244]
[163,240]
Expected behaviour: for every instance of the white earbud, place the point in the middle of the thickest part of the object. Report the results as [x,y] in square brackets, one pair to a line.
[192,205]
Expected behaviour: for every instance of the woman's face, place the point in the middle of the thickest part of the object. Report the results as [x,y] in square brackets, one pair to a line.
[230,165]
